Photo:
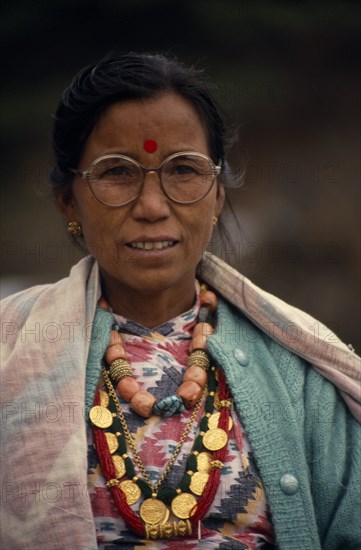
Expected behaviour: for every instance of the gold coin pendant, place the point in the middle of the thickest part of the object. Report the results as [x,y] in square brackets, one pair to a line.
[183,504]
[198,482]
[131,491]
[104,398]
[100,417]
[119,466]
[204,462]
[112,441]
[214,419]
[215,439]
[153,511]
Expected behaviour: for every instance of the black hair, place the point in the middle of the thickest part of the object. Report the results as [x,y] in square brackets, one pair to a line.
[126,77]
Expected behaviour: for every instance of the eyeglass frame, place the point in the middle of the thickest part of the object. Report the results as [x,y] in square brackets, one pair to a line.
[85,174]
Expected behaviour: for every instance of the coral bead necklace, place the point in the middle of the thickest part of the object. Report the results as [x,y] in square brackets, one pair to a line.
[194,381]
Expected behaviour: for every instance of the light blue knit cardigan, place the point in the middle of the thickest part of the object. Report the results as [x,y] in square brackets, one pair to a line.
[306,444]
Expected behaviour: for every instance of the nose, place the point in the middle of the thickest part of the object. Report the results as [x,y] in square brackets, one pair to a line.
[152,204]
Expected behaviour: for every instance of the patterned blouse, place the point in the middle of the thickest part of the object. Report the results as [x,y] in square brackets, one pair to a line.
[238,518]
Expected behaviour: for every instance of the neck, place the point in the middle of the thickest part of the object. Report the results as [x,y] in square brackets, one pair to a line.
[148,308]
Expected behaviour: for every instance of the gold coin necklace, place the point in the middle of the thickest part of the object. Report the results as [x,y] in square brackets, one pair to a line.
[203,466]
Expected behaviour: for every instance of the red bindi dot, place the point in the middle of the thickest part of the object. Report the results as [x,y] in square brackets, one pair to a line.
[150,145]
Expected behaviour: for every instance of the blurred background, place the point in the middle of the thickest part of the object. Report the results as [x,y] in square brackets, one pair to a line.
[287,76]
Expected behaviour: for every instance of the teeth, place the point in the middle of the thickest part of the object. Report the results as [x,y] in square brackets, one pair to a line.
[158,245]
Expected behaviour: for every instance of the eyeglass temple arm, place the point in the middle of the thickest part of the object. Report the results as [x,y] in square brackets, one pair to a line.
[77,172]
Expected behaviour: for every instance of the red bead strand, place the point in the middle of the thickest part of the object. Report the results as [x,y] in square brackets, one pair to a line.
[131,519]
[212,484]
[106,463]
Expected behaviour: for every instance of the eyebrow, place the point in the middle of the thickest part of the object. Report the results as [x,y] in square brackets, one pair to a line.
[136,157]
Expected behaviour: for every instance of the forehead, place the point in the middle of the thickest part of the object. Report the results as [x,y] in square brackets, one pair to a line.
[153,111]
[168,119]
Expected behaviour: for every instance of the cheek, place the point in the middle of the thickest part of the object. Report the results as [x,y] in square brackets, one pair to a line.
[99,232]
[96,220]
[200,228]
[96,241]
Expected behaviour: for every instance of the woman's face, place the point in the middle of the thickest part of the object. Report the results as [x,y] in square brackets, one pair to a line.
[109,232]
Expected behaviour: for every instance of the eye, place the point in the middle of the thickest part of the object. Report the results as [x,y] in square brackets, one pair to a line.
[183,167]
[118,171]
[115,170]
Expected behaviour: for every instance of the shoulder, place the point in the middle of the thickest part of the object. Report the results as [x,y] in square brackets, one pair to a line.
[288,325]
[235,331]
[63,301]
[270,381]
[20,304]
[248,351]
[284,331]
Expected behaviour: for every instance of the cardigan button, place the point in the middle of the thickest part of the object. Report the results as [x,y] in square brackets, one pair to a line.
[289,484]
[240,357]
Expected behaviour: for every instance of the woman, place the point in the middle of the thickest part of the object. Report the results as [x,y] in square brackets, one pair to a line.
[206,421]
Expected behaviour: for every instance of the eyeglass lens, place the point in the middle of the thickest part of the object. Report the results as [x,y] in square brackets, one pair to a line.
[116,180]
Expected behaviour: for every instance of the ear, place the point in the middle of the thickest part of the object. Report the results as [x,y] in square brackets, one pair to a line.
[220,198]
[65,203]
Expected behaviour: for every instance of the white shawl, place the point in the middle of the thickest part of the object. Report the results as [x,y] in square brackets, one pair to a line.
[45,344]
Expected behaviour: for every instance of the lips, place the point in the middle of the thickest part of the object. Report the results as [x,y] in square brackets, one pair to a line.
[151,245]
[154,243]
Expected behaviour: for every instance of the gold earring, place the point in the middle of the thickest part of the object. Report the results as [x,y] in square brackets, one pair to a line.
[74,228]
[215,220]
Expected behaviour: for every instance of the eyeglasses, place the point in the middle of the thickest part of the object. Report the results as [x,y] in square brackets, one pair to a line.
[116,180]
